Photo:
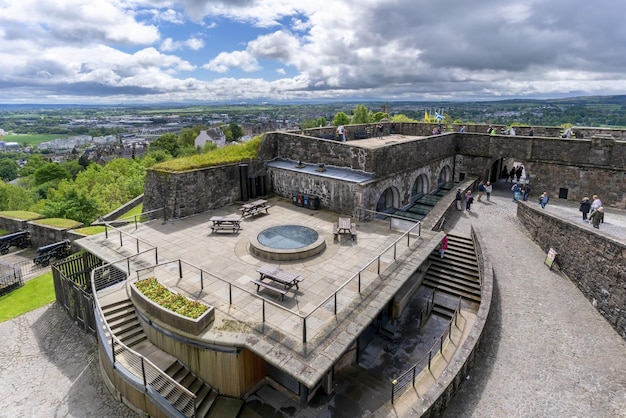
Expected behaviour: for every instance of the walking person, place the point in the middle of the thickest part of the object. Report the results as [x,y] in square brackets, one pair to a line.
[468,200]
[543,200]
[585,207]
[488,190]
[596,217]
[512,174]
[443,245]
[516,192]
[597,203]
[526,192]
[459,199]
[481,190]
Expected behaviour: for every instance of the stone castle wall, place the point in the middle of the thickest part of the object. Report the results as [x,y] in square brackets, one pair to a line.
[595,263]
[579,167]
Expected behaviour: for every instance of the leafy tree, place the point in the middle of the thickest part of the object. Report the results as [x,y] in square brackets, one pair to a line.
[166,142]
[15,197]
[50,172]
[378,116]
[341,119]
[235,131]
[71,203]
[187,136]
[73,167]
[360,115]
[308,124]
[8,169]
[402,118]
[33,163]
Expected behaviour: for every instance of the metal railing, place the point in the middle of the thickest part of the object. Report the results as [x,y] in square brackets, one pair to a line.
[127,240]
[137,219]
[230,291]
[10,278]
[425,313]
[394,220]
[132,366]
[406,379]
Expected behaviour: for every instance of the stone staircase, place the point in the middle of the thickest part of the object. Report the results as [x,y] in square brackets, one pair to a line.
[456,274]
[124,323]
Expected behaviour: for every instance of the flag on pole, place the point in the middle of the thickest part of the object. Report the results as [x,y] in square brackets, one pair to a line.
[438,116]
[426,118]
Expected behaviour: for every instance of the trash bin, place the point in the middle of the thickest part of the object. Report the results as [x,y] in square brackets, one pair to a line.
[313,202]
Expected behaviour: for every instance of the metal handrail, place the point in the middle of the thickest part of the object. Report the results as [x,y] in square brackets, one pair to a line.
[447,334]
[116,341]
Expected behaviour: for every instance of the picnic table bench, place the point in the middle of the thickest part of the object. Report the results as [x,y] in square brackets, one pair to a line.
[254,208]
[344,226]
[276,275]
[225,223]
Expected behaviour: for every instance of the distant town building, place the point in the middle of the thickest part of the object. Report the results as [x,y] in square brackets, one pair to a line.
[214,135]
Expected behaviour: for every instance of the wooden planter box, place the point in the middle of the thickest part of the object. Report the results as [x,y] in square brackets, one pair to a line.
[174,320]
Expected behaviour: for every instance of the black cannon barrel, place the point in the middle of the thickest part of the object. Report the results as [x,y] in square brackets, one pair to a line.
[57,250]
[19,239]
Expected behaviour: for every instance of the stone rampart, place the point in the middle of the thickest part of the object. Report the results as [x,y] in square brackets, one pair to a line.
[577,167]
[594,262]
[574,167]
[190,192]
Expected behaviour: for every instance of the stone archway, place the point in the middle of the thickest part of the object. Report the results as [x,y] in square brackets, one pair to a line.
[420,186]
[445,175]
[388,199]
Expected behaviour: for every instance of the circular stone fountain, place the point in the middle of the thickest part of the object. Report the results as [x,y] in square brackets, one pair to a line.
[287,242]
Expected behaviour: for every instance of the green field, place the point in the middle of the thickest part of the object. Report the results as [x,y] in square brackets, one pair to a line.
[35,139]
[34,294]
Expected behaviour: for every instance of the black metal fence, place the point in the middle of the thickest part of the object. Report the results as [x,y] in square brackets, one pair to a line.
[10,278]
[72,287]
[408,378]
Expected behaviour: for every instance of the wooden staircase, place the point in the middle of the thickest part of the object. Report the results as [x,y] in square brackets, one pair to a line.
[457,273]
[124,323]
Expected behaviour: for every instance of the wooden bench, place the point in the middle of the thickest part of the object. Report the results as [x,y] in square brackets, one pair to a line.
[225,223]
[254,208]
[259,283]
[344,226]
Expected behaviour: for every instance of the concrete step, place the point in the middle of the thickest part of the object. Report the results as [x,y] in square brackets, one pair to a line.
[452,290]
[462,278]
[224,407]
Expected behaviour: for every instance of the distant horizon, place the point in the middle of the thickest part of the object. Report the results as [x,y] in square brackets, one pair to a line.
[296,102]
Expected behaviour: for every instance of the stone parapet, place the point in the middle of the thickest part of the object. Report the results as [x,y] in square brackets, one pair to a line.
[594,262]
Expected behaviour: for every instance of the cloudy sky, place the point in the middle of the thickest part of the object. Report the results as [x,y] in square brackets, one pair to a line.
[112,51]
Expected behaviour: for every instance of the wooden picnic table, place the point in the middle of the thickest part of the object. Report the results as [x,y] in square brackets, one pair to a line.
[345,226]
[253,208]
[225,223]
[285,278]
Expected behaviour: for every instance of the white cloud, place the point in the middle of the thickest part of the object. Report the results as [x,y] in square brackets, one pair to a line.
[370,48]
[169,45]
[240,59]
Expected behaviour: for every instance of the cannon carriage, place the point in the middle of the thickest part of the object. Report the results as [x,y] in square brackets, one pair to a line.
[57,250]
[17,239]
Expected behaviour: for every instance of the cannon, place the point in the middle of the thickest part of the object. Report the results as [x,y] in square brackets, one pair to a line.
[18,239]
[58,250]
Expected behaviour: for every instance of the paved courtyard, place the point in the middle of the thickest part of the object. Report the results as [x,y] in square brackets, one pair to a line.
[548,353]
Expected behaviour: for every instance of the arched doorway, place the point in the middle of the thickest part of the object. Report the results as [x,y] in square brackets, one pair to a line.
[386,200]
[420,186]
[445,175]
